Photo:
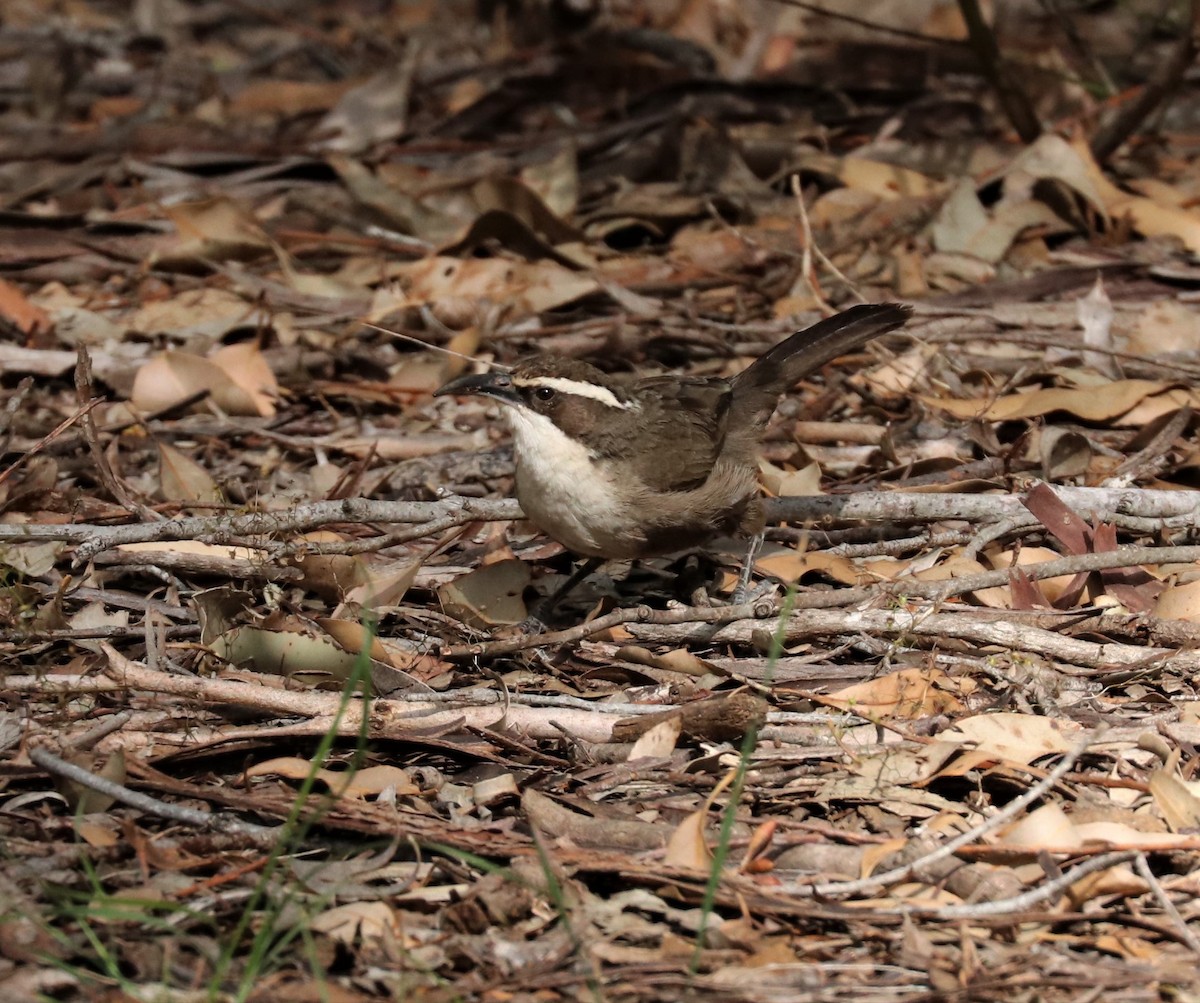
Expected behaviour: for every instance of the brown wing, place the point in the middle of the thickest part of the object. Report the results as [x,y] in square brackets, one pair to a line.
[682,430]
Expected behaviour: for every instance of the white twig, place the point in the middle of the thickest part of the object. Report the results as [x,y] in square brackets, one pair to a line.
[53,764]
[877,882]
[1142,866]
[1026,900]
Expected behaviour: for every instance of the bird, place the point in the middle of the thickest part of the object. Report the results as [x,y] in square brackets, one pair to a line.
[618,467]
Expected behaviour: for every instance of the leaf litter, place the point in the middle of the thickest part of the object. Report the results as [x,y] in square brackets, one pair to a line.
[267,732]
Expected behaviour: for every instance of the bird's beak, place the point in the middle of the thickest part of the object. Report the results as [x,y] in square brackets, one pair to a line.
[497,385]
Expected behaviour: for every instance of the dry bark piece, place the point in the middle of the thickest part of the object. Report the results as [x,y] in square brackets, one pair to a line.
[721,718]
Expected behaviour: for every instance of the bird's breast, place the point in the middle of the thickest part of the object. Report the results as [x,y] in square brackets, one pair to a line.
[569,494]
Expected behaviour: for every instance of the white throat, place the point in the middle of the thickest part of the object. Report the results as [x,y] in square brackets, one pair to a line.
[561,487]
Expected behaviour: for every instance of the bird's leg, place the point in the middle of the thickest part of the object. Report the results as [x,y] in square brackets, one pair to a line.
[536,622]
[743,586]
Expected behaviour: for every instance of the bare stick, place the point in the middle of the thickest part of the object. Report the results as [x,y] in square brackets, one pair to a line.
[831,889]
[1142,866]
[53,764]
[108,477]
[1013,99]
[1158,89]
[1027,900]
[872,506]
[913,626]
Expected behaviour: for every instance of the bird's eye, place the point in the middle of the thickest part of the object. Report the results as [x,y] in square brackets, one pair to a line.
[544,393]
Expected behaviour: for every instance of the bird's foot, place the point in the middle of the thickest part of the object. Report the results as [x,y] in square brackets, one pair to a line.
[743,586]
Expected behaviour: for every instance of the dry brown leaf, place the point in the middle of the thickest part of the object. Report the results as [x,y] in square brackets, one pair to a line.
[1052,588]
[657,742]
[686,847]
[791,566]
[905,695]
[330,576]
[1163,327]
[384,586]
[489,596]
[353,636]
[524,288]
[790,483]
[1016,738]
[16,308]
[216,229]
[1179,602]
[182,479]
[1048,826]
[205,313]
[1104,402]
[96,834]
[359,923]
[907,766]
[358,784]
[1177,801]
[292,653]
[897,378]
[172,377]
[86,800]
[245,365]
[274,96]
[888,181]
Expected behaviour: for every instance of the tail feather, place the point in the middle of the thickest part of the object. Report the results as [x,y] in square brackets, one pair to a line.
[756,390]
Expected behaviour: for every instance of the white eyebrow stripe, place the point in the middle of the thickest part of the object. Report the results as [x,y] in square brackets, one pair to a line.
[579,388]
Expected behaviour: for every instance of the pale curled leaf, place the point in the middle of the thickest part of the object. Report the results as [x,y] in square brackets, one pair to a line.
[686,847]
[1017,738]
[172,377]
[182,479]
[657,742]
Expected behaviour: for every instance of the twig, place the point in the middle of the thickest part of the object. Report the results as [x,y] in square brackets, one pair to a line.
[46,439]
[108,477]
[174,633]
[102,729]
[388,718]
[1013,99]
[812,247]
[934,628]
[94,539]
[1158,89]
[637,614]
[1142,866]
[835,889]
[873,506]
[53,764]
[247,568]
[1066,23]
[1125,557]
[988,534]
[1026,900]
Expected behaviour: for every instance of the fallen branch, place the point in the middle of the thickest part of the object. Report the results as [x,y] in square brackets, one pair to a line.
[695,623]
[924,623]
[58,766]
[869,506]
[877,882]
[388,718]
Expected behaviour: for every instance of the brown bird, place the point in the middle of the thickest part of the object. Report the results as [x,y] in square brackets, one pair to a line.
[617,467]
